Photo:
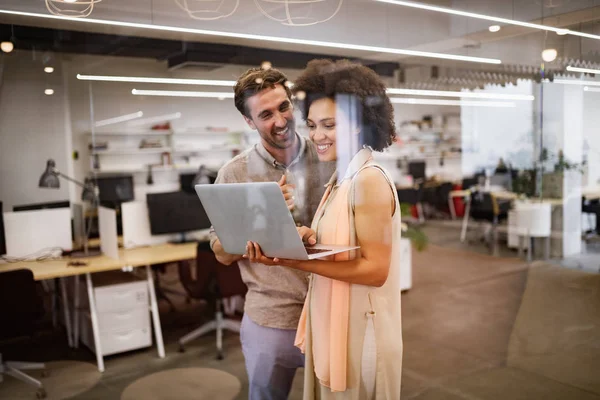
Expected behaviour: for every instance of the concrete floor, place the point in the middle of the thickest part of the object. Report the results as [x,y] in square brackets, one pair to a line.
[474,328]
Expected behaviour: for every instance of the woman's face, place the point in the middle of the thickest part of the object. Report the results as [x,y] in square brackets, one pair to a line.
[321,126]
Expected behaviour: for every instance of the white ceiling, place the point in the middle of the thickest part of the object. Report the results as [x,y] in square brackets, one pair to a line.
[366,22]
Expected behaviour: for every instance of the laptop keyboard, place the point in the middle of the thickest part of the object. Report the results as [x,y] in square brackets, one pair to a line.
[316,251]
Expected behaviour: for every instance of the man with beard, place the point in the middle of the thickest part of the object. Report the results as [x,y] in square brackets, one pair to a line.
[275,294]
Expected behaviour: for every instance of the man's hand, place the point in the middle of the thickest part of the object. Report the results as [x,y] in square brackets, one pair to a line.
[288,192]
[308,235]
[222,256]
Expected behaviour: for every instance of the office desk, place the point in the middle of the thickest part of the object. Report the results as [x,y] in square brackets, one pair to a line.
[138,257]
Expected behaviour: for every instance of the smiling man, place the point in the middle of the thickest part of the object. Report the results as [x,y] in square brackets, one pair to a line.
[275,294]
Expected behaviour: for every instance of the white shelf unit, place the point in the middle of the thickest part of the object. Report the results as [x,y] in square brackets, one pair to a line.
[180,152]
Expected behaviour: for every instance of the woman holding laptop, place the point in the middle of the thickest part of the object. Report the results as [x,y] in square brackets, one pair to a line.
[350,328]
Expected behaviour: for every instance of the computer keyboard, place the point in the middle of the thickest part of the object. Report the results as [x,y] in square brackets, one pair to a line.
[316,251]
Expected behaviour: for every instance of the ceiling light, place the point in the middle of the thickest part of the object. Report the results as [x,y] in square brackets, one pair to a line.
[121,118]
[158,118]
[49,92]
[560,31]
[472,95]
[70,1]
[142,79]
[174,93]
[584,70]
[549,55]
[591,89]
[494,28]
[266,65]
[48,70]
[7,47]
[577,82]
[459,103]
[257,38]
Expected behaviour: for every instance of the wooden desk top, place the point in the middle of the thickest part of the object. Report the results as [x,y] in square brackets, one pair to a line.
[138,257]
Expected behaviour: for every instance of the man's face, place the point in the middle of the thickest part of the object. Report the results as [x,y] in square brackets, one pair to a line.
[272,115]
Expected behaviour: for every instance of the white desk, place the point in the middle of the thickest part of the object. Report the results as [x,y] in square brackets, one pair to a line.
[139,257]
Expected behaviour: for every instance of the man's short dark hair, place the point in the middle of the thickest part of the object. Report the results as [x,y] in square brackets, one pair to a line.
[326,79]
[253,81]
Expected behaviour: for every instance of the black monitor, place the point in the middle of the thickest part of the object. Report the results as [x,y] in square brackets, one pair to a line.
[115,189]
[176,212]
[187,180]
[417,169]
[42,206]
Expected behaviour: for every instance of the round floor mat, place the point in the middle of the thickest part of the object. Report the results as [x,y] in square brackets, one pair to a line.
[184,384]
[65,379]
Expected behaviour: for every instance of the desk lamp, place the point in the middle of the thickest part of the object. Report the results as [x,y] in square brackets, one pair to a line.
[50,179]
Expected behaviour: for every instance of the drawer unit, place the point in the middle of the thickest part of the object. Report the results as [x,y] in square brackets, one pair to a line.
[123,313]
[118,340]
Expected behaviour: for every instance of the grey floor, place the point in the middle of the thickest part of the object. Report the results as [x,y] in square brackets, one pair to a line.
[474,327]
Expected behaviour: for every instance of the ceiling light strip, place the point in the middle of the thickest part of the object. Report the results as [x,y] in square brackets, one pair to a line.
[158,118]
[258,38]
[591,89]
[576,82]
[583,70]
[428,7]
[458,103]
[142,79]
[116,120]
[176,93]
[471,95]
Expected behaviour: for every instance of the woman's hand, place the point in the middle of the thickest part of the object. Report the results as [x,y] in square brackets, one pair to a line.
[288,192]
[254,254]
[308,235]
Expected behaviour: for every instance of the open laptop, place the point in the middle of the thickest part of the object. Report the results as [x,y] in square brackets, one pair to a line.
[257,212]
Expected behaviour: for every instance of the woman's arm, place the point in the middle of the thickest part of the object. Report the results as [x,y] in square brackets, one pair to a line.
[374,205]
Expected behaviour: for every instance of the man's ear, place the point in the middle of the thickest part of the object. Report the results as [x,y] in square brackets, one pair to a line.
[250,123]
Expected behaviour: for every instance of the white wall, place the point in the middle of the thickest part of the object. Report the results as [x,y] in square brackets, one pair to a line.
[591,135]
[32,129]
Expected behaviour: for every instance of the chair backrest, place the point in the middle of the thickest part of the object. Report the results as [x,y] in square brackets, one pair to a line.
[468,183]
[21,307]
[212,278]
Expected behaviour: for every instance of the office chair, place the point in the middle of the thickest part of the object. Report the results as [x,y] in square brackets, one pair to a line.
[414,197]
[214,282]
[592,207]
[485,207]
[20,311]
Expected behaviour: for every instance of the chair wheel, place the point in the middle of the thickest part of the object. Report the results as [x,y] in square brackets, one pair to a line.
[41,393]
[181,349]
[220,356]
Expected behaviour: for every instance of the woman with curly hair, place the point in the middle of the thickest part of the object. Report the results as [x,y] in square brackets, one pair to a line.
[350,328]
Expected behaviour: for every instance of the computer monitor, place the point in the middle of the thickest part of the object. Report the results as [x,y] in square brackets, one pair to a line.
[417,169]
[115,189]
[42,206]
[502,180]
[187,180]
[176,212]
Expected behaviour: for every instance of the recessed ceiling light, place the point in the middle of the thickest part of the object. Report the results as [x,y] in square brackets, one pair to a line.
[429,7]
[494,28]
[257,38]
[49,92]
[584,70]
[7,47]
[266,65]
[549,55]
[591,89]
[174,93]
[48,70]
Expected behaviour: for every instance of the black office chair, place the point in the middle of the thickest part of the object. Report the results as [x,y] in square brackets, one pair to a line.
[485,207]
[21,310]
[214,282]
[592,207]
[414,197]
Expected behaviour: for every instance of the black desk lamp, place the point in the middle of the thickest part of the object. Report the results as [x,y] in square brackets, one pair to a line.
[50,179]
